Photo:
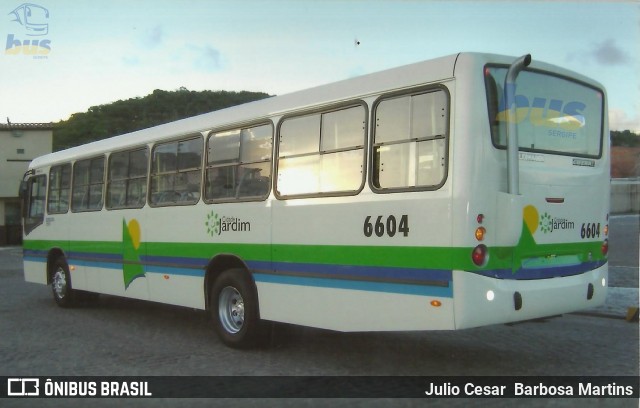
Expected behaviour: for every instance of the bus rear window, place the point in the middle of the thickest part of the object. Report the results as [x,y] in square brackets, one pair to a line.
[553,114]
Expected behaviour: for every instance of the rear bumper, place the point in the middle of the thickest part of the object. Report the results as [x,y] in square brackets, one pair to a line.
[480,300]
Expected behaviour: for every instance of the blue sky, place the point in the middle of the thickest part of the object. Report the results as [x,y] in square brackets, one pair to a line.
[105,50]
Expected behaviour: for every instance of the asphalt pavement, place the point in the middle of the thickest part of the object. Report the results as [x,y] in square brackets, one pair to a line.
[623,267]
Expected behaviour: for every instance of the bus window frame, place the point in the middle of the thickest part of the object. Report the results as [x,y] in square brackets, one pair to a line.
[151,174]
[446,137]
[30,225]
[490,110]
[320,111]
[49,188]
[147,177]
[240,127]
[73,185]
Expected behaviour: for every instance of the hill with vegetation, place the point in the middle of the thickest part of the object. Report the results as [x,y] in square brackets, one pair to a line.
[124,116]
[625,138]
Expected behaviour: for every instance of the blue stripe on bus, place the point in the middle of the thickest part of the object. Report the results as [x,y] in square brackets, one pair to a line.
[378,279]
[94,256]
[424,276]
[200,263]
[356,271]
[172,270]
[98,264]
[34,254]
[29,258]
[347,276]
[554,271]
[356,285]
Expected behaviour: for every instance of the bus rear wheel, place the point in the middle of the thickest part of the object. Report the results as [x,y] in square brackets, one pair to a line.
[63,293]
[233,305]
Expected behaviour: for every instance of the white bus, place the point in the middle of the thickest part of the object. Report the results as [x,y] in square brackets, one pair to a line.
[463,191]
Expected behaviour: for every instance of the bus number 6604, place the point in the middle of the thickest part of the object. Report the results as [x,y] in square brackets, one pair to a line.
[390,226]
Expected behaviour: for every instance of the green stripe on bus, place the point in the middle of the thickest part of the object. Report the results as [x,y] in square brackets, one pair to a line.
[382,256]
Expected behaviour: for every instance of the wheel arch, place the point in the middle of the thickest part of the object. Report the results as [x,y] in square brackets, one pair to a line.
[219,264]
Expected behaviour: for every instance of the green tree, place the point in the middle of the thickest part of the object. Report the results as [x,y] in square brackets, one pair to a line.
[133,114]
[624,138]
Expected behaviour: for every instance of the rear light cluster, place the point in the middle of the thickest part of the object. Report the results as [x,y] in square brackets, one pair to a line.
[480,253]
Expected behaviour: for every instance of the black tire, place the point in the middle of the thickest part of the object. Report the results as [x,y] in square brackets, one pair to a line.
[234,310]
[63,292]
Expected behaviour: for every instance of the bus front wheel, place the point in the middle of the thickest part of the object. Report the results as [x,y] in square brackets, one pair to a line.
[63,293]
[234,309]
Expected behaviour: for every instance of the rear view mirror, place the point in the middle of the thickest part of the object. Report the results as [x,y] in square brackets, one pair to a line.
[24,188]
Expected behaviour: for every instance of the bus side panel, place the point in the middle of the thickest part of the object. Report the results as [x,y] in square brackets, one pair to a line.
[181,241]
[51,234]
[95,256]
[336,274]
[176,289]
[351,310]
[168,271]
[35,271]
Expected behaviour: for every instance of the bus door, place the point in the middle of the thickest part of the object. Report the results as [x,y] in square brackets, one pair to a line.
[33,193]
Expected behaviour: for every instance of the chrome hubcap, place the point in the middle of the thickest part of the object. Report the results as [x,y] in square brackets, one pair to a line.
[60,283]
[231,309]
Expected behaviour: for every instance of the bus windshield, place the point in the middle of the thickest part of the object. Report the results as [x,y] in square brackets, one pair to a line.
[554,114]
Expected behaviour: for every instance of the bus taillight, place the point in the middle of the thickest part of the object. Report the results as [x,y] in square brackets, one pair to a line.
[605,247]
[479,255]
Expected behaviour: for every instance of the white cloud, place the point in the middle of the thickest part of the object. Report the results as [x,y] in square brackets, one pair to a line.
[619,120]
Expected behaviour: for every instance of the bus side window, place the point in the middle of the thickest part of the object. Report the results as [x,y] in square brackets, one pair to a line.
[88,183]
[410,141]
[59,189]
[127,179]
[35,203]
[322,153]
[239,164]
[176,172]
